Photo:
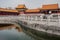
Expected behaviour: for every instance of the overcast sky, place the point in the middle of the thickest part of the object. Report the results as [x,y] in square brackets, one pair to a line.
[28,3]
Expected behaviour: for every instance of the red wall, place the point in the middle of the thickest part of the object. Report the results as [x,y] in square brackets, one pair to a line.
[8,13]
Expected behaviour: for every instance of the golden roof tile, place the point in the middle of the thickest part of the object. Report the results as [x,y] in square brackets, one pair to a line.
[21,6]
[8,10]
[50,6]
[32,10]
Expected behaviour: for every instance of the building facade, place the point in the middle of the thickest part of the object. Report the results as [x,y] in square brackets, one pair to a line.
[21,9]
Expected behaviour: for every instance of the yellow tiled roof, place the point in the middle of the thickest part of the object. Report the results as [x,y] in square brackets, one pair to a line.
[8,10]
[32,10]
[21,6]
[50,6]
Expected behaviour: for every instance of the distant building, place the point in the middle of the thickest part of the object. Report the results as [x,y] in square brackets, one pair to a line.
[4,11]
[51,8]
[21,9]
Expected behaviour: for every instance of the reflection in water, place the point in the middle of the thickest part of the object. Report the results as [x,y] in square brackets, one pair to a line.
[14,35]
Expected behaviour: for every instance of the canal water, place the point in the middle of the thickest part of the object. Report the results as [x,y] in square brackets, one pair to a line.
[14,35]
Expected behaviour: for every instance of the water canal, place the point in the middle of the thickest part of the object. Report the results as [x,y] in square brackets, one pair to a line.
[9,33]
[14,35]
